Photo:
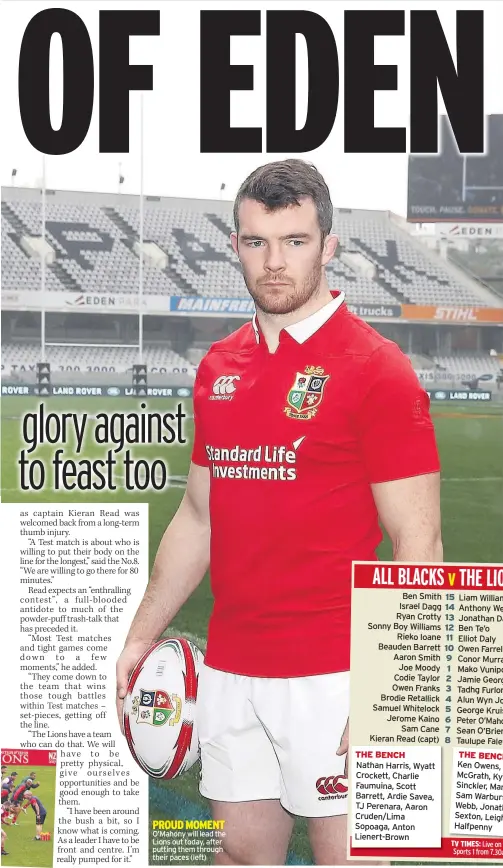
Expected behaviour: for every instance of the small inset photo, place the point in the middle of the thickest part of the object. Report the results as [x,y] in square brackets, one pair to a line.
[28,806]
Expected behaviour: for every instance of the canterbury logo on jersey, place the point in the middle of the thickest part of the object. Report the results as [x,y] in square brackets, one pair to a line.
[224,388]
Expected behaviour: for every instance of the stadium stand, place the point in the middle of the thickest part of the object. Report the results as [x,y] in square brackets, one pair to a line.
[465,367]
[95,241]
[109,359]
[483,259]
[195,354]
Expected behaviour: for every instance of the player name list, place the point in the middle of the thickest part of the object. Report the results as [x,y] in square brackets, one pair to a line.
[427,673]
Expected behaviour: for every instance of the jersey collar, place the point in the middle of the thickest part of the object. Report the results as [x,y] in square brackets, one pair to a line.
[305,328]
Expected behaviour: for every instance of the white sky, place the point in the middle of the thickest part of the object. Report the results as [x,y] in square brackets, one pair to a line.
[173,165]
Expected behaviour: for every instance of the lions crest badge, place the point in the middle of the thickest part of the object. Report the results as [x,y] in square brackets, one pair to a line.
[156,707]
[306,393]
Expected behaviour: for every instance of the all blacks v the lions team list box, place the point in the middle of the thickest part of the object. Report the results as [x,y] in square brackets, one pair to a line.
[426,720]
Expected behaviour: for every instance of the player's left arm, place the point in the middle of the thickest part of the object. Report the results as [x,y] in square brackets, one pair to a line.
[409,510]
[399,450]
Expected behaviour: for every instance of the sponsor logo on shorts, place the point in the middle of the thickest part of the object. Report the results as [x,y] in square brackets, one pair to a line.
[332,787]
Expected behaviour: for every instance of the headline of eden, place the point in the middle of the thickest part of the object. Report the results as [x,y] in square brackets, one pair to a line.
[432,67]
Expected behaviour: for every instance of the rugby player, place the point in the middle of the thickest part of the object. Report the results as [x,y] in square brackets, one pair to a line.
[8,785]
[6,812]
[18,797]
[4,835]
[33,784]
[310,428]
[31,777]
[39,811]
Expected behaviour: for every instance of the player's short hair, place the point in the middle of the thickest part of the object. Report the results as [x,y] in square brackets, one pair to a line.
[285,182]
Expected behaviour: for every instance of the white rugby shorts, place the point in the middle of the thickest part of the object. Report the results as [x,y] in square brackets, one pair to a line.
[274,738]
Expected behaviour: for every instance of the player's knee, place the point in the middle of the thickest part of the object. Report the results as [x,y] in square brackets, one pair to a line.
[227,856]
[243,853]
[267,852]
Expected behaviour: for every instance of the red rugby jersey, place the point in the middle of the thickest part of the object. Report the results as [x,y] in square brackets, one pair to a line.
[293,440]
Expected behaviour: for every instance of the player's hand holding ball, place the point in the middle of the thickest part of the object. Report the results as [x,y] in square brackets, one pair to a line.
[130,654]
[159,705]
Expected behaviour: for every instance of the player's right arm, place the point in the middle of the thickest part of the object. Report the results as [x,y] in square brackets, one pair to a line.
[182,559]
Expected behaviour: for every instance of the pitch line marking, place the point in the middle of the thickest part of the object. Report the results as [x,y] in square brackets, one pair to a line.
[454,415]
[471,478]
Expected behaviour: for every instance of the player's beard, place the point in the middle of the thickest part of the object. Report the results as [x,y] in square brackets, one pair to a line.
[285,299]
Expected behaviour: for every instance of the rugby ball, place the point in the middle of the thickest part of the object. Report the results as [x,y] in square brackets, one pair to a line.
[160,708]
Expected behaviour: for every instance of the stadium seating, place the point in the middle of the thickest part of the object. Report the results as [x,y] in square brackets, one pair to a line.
[483,259]
[466,367]
[94,244]
[22,356]
[195,354]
